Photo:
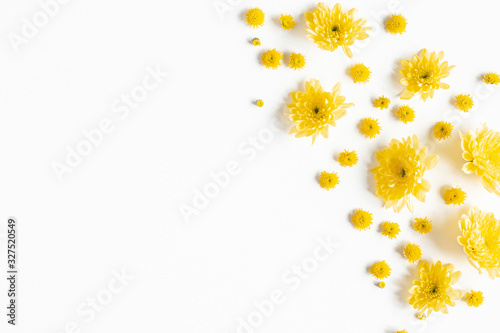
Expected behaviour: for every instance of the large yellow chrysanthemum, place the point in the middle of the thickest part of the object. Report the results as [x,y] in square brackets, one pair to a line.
[314,110]
[433,292]
[400,173]
[422,75]
[481,241]
[331,28]
[481,150]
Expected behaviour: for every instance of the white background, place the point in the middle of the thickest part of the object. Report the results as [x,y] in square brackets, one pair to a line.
[119,209]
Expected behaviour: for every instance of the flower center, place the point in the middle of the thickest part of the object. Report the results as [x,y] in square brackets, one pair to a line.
[403,173]
[335,29]
[318,112]
[433,291]
[425,76]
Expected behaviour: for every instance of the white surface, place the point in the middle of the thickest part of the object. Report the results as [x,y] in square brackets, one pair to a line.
[120,207]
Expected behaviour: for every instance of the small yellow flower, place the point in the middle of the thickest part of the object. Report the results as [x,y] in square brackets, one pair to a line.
[390,229]
[464,102]
[423,74]
[454,196]
[315,110]
[369,127]
[402,331]
[297,61]
[256,42]
[433,291]
[328,180]
[443,130]
[380,270]
[382,102]
[331,28]
[260,103]
[481,241]
[474,298]
[255,17]
[412,252]
[491,78]
[399,175]
[396,24]
[361,219]
[422,225]
[348,158]
[287,21]
[360,73]
[406,114]
[381,284]
[272,58]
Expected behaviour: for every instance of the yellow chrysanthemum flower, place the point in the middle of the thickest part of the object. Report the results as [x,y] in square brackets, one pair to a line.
[400,173]
[256,41]
[360,73]
[380,270]
[396,24]
[390,229]
[474,298]
[481,150]
[272,58]
[259,103]
[329,180]
[423,74]
[443,130]
[422,225]
[314,110]
[348,158]
[402,331]
[405,113]
[297,61]
[255,17]
[454,196]
[331,28]
[464,102]
[491,78]
[412,252]
[361,219]
[481,241]
[434,289]
[381,284]
[287,21]
[369,127]
[382,102]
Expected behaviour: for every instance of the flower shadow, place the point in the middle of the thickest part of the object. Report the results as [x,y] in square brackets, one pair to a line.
[452,100]
[449,150]
[400,249]
[444,234]
[405,283]
[396,76]
[370,179]
[282,121]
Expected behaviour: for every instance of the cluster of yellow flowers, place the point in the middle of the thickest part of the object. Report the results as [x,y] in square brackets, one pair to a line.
[402,164]
[271,58]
